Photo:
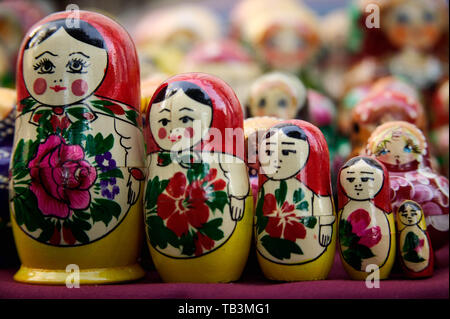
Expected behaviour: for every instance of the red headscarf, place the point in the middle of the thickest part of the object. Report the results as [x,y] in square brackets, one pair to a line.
[122,79]
[381,200]
[316,172]
[226,113]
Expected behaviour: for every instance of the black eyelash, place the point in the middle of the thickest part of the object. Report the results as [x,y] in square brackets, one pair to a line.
[414,147]
[79,60]
[40,63]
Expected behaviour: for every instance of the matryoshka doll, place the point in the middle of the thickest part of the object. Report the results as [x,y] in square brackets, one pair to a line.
[389,99]
[284,36]
[411,40]
[404,150]
[414,246]
[254,130]
[278,94]
[77,164]
[164,36]
[366,222]
[295,220]
[198,205]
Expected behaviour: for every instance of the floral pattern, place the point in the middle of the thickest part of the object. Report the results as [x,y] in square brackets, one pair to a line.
[182,211]
[412,247]
[355,234]
[65,180]
[61,178]
[281,221]
[423,186]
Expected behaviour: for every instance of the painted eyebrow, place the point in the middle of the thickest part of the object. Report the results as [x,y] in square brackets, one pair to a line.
[79,52]
[268,143]
[288,143]
[45,52]
[367,172]
[164,109]
[187,109]
[350,172]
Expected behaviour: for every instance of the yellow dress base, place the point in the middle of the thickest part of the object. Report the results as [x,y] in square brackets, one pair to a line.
[314,270]
[225,264]
[86,276]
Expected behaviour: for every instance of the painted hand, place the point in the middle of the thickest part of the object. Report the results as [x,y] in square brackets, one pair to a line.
[325,232]
[134,185]
[237,208]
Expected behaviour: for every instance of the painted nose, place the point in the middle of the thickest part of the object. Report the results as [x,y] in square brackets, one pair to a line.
[60,80]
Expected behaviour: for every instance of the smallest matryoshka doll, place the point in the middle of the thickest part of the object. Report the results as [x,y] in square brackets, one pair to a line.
[414,245]
[366,222]
[294,225]
[404,150]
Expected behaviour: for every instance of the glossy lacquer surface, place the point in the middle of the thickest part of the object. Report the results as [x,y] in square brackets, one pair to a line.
[198,205]
[415,251]
[366,222]
[404,150]
[77,165]
[295,219]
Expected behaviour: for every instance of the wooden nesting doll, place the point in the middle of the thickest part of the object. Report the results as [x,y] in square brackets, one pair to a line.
[366,222]
[294,225]
[77,165]
[198,204]
[414,245]
[254,129]
[389,99]
[279,95]
[404,150]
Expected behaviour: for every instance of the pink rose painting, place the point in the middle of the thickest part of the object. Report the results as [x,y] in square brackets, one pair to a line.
[61,178]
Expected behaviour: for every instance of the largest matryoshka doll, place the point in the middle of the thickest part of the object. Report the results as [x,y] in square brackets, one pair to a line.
[77,162]
[198,207]
[295,219]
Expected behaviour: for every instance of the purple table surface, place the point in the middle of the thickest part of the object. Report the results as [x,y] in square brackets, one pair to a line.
[252,285]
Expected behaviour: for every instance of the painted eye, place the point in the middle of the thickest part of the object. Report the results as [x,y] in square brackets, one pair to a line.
[45,66]
[407,149]
[282,103]
[428,16]
[286,152]
[351,179]
[262,103]
[405,215]
[164,122]
[366,179]
[186,119]
[384,151]
[269,152]
[77,65]
[402,18]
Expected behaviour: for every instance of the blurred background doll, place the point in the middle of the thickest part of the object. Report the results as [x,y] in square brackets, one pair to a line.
[165,35]
[284,36]
[411,42]
[226,59]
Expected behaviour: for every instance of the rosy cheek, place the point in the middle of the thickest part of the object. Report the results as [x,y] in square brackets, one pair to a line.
[79,87]
[40,86]
[189,132]
[162,133]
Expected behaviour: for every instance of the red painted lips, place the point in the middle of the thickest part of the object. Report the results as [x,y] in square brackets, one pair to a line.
[58,88]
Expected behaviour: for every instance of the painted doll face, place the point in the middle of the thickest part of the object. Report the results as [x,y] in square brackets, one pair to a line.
[361,181]
[63,70]
[274,101]
[398,149]
[413,23]
[281,156]
[409,214]
[179,122]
